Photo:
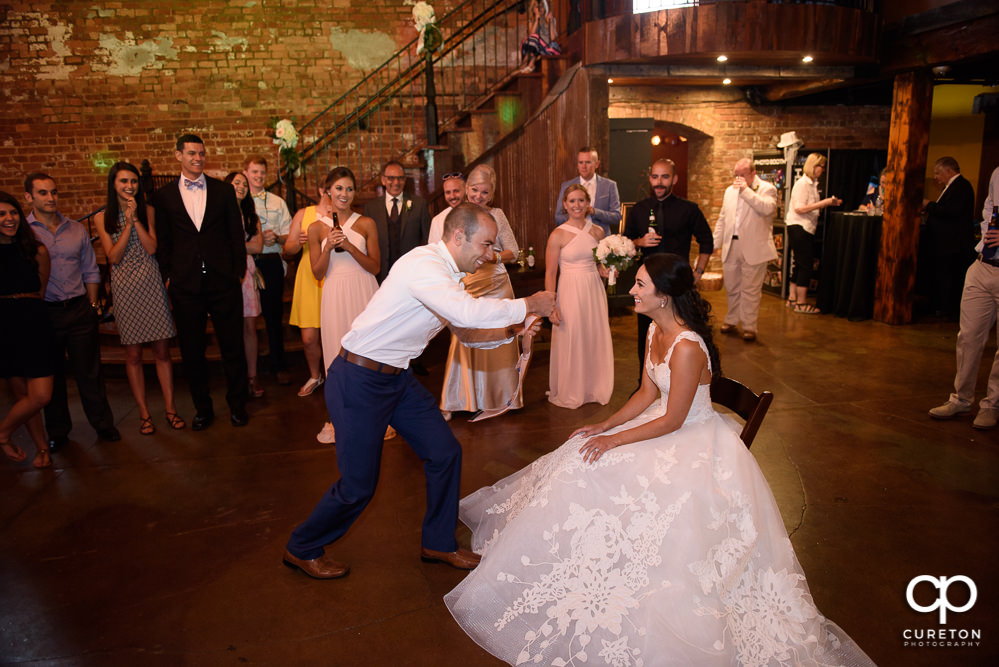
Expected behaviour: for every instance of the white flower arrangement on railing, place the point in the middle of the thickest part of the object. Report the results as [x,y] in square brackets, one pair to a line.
[425,21]
[286,137]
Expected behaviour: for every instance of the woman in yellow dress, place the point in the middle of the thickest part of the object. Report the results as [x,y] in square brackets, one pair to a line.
[308,294]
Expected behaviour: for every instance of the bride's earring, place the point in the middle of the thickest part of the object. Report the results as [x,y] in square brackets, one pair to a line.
[662,303]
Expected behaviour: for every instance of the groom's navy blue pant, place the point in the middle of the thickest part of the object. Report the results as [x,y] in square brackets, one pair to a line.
[362,403]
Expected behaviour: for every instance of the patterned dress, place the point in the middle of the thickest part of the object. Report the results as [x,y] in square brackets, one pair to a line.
[479,379]
[669,551]
[141,310]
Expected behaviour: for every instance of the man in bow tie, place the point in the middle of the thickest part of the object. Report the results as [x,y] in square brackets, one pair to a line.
[275,221]
[202,256]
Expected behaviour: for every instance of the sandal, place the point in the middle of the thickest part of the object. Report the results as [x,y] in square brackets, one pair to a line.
[256,391]
[791,303]
[13,452]
[174,420]
[146,426]
[807,309]
[43,459]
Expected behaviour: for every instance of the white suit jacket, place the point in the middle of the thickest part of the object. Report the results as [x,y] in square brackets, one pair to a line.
[756,237]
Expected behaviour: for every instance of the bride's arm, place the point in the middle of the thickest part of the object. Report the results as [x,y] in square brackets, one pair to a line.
[686,366]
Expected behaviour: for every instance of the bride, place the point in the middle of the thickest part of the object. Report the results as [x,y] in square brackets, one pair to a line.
[651,538]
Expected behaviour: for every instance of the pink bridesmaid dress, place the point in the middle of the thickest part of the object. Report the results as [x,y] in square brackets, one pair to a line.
[582,356]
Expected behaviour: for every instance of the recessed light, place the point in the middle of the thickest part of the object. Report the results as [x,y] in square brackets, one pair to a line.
[807,59]
[722,58]
[610,80]
[656,140]
[726,81]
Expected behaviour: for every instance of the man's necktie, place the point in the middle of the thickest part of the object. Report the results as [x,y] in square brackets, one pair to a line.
[193,185]
[394,213]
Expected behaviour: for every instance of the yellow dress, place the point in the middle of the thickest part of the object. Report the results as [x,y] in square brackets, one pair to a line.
[308,294]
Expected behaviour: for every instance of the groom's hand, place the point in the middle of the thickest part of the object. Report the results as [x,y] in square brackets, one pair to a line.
[523,329]
[541,303]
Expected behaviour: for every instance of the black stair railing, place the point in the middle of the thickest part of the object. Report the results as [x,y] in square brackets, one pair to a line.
[382,117]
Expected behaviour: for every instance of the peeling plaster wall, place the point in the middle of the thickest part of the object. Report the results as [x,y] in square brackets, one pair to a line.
[88,84]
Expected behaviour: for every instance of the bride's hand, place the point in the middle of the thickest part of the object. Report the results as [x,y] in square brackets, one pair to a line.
[589,430]
[594,448]
[556,316]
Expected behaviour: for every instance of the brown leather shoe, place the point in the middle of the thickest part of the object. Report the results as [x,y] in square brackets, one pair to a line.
[463,559]
[317,568]
[749,336]
[728,328]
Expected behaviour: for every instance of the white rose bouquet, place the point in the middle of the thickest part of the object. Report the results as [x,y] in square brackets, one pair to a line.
[616,253]
[425,21]
[286,137]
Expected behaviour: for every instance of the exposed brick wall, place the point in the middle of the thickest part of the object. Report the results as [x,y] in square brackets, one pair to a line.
[86,84]
[721,127]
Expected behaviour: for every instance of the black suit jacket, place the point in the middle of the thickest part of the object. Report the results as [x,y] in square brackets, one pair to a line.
[414,219]
[950,222]
[182,249]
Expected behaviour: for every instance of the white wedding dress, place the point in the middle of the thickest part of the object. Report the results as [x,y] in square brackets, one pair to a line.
[669,551]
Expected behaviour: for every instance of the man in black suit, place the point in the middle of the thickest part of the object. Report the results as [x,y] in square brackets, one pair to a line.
[202,254]
[950,233]
[402,220]
[403,223]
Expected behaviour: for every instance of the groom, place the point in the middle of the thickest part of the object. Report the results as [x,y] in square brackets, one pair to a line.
[370,386]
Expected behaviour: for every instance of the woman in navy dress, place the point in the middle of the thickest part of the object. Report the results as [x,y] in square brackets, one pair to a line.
[26,338]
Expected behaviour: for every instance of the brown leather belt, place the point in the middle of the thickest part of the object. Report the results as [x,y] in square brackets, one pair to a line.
[370,364]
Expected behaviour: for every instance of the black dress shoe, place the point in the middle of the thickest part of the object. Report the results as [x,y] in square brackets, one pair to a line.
[109,434]
[419,368]
[200,423]
[239,418]
[57,442]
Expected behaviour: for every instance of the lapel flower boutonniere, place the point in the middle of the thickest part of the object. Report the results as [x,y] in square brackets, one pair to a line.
[406,205]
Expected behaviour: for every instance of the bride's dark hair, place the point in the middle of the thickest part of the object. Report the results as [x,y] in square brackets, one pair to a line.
[672,276]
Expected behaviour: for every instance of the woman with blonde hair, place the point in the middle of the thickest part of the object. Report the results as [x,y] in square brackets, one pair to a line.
[582,356]
[308,294]
[477,379]
[802,218]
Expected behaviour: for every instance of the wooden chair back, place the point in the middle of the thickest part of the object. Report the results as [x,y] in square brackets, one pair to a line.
[741,400]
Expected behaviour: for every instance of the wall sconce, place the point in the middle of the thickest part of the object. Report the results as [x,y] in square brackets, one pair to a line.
[807,59]
[656,140]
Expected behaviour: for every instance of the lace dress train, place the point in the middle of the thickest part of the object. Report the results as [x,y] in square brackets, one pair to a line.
[669,551]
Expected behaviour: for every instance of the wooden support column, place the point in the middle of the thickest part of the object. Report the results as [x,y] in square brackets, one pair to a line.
[908,142]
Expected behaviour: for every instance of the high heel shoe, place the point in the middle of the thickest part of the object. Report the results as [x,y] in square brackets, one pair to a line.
[256,391]
[42,459]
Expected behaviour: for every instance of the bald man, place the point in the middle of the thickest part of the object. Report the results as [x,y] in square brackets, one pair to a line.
[744,232]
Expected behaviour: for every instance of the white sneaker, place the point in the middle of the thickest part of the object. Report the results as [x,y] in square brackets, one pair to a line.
[310,386]
[985,419]
[327,435]
[949,410]
[390,433]
[446,414]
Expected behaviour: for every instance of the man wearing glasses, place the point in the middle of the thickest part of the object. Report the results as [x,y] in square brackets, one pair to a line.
[402,220]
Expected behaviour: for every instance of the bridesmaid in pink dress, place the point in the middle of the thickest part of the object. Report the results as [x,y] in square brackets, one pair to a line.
[582,357]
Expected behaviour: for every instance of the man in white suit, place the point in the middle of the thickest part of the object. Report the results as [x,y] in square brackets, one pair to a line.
[604,197]
[744,232]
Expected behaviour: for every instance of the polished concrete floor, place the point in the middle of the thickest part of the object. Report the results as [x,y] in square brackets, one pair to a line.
[166,550]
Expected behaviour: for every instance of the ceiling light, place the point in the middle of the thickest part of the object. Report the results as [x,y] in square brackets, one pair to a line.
[656,140]
[726,80]
[610,80]
[807,59]
[722,58]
